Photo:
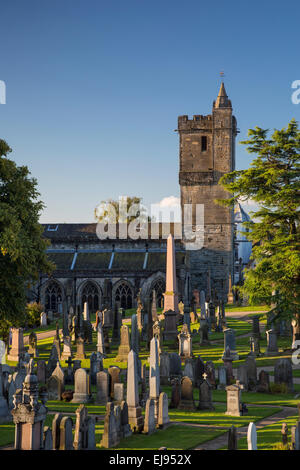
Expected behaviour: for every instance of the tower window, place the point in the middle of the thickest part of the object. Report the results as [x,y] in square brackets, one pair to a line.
[204,143]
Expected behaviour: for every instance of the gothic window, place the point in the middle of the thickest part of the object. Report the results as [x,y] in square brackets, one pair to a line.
[90,295]
[159,286]
[53,297]
[124,296]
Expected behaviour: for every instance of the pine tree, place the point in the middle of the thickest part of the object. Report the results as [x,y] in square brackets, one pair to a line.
[273,183]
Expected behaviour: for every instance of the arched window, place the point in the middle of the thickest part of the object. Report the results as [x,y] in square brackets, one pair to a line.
[159,286]
[53,297]
[124,295]
[90,295]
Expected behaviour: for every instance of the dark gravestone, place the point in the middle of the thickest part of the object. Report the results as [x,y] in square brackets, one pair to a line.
[232,438]
[187,395]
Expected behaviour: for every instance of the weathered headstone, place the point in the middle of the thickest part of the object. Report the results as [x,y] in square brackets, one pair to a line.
[124,347]
[185,342]
[232,438]
[163,411]
[229,341]
[17,348]
[283,373]
[150,421]
[272,349]
[102,387]
[66,436]
[234,399]
[82,392]
[205,395]
[135,417]
[154,374]
[187,395]
[252,437]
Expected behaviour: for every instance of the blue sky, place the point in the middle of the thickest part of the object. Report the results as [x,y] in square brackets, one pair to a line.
[94,88]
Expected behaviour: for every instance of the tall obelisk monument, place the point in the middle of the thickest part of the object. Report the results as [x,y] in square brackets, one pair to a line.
[171,295]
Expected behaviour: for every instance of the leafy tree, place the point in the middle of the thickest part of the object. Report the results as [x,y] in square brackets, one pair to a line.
[131,206]
[22,248]
[273,183]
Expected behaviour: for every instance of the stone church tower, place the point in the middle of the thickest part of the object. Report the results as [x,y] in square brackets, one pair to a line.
[207,151]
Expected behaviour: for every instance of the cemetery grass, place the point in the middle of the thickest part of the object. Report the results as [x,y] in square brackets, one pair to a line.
[269,436]
[217,417]
[175,437]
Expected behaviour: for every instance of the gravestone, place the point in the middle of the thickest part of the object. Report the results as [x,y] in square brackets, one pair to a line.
[67,350]
[43,319]
[227,360]
[232,438]
[17,349]
[283,373]
[110,437]
[150,421]
[102,387]
[175,392]
[175,365]
[135,335]
[170,331]
[80,354]
[84,436]
[54,387]
[234,399]
[272,349]
[252,437]
[32,341]
[252,373]
[95,366]
[82,389]
[164,368]
[41,371]
[187,395]
[4,411]
[210,371]
[222,378]
[255,326]
[114,372]
[125,428]
[100,340]
[295,436]
[263,382]
[154,374]
[66,435]
[47,438]
[124,347]
[188,371]
[205,395]
[204,332]
[185,342]
[163,411]
[28,415]
[135,418]
[229,341]
[254,346]
[118,393]
[56,430]
[242,376]
[199,369]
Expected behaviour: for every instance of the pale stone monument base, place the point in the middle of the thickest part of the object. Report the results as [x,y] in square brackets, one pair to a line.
[135,418]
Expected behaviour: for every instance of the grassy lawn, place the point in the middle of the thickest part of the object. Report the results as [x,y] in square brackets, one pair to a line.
[268,437]
[218,417]
[174,437]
